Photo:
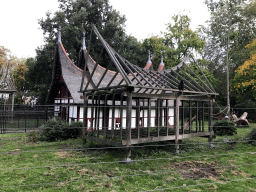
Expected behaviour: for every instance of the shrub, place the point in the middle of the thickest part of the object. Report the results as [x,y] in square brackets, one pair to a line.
[73,131]
[224,127]
[56,129]
[32,136]
[251,137]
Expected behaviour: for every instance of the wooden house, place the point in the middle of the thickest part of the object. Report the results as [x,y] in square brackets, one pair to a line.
[132,105]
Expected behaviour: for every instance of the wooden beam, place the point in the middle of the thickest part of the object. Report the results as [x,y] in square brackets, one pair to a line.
[85,119]
[176,123]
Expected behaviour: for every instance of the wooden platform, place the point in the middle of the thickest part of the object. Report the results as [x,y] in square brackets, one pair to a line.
[141,136]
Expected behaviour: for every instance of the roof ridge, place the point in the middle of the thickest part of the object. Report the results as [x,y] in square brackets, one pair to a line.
[69,58]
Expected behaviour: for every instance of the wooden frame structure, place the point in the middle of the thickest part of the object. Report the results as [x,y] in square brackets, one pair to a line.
[131,105]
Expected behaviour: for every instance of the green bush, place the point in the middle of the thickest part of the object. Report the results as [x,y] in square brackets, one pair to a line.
[73,131]
[56,129]
[32,136]
[251,137]
[224,127]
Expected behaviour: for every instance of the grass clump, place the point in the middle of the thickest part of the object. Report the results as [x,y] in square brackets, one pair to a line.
[251,137]
[224,127]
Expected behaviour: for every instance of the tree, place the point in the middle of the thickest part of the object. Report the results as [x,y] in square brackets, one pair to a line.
[16,70]
[19,81]
[229,29]
[244,81]
[76,17]
[3,56]
[177,42]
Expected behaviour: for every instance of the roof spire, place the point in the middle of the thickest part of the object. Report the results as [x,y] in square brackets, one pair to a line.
[162,63]
[149,57]
[59,37]
[161,66]
[84,47]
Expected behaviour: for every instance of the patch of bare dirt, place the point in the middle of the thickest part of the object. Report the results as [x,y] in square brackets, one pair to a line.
[196,169]
[64,154]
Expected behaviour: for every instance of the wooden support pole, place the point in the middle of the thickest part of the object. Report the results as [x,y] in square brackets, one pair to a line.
[85,119]
[98,117]
[202,116]
[176,122]
[149,117]
[210,120]
[190,116]
[197,120]
[166,113]
[138,117]
[128,127]
[143,114]
[183,117]
[105,117]
[121,117]
[158,116]
[92,114]
[113,116]
[167,116]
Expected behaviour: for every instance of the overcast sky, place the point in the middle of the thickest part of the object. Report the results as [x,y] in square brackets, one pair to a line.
[21,34]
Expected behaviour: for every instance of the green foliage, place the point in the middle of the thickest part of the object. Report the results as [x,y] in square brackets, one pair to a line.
[56,129]
[229,22]
[3,55]
[76,17]
[244,80]
[177,42]
[73,131]
[251,137]
[224,127]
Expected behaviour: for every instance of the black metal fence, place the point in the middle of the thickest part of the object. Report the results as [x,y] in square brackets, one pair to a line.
[24,117]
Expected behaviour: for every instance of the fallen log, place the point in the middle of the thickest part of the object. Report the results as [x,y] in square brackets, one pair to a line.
[242,121]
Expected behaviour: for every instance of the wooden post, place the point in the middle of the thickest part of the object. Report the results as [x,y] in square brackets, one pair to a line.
[197,119]
[105,117]
[128,127]
[85,118]
[92,115]
[98,117]
[203,116]
[149,117]
[138,117]
[210,120]
[121,118]
[190,116]
[113,116]
[176,122]
[167,117]
[183,117]
[166,114]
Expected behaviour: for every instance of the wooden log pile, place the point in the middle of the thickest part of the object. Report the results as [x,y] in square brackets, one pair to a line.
[242,121]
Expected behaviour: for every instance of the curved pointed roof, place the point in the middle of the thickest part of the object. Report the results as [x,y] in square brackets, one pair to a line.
[65,71]
[146,81]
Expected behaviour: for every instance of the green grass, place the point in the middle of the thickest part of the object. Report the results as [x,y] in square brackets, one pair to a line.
[39,157]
